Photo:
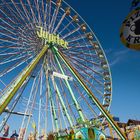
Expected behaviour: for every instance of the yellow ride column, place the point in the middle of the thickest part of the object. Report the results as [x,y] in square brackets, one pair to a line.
[13,87]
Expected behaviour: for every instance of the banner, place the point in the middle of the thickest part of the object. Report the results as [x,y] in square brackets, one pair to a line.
[6,130]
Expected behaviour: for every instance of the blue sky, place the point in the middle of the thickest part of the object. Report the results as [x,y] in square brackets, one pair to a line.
[105,18]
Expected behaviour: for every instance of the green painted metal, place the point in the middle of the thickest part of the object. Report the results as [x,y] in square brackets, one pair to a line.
[95,100]
[55,119]
[62,103]
[13,87]
[71,92]
[53,108]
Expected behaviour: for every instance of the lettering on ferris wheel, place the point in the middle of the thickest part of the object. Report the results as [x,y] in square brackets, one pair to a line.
[51,38]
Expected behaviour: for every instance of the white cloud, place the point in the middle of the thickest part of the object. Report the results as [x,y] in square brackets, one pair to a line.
[115,57]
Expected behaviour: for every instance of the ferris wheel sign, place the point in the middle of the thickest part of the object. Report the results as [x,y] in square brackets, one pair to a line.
[130,30]
[51,38]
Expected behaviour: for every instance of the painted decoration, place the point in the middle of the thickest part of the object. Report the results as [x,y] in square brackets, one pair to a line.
[90,133]
[130,30]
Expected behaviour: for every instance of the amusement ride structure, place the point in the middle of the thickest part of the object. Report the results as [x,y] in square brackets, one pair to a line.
[54,75]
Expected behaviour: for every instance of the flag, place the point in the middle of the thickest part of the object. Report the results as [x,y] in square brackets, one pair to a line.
[6,130]
[33,125]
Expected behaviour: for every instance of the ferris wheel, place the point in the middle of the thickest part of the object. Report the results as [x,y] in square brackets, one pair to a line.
[54,75]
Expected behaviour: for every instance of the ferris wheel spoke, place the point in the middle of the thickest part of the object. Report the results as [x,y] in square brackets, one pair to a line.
[26,12]
[40,101]
[32,11]
[59,114]
[85,100]
[52,104]
[54,107]
[84,59]
[9,8]
[3,83]
[15,52]
[6,23]
[34,96]
[89,61]
[5,28]
[87,75]
[7,58]
[12,45]
[72,113]
[51,22]
[14,59]
[83,71]
[7,35]
[58,4]
[71,92]
[16,100]
[52,116]
[66,26]
[37,7]
[47,99]
[60,22]
[18,10]
[88,82]
[70,33]
[77,38]
[17,17]
[10,68]
[49,14]
[9,40]
[83,65]
[8,30]
[76,49]
[87,52]
[52,61]
[79,47]
[43,3]
[62,102]
[29,101]
[20,17]
[67,102]
[8,16]
[9,45]
[45,15]
[61,118]
[23,31]
[5,52]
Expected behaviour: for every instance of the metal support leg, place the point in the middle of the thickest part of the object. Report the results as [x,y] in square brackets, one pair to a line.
[95,100]
[11,90]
